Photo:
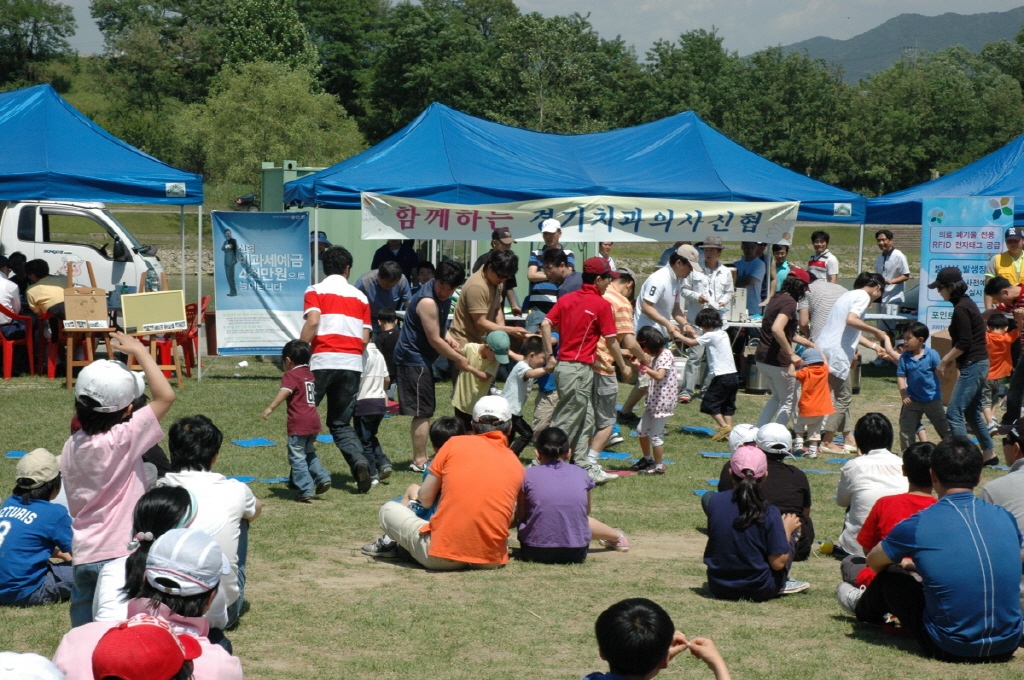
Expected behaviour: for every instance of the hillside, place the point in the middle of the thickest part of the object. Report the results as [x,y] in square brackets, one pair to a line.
[878,48]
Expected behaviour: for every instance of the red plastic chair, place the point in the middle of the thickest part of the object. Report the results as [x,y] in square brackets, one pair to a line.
[188,340]
[54,346]
[8,345]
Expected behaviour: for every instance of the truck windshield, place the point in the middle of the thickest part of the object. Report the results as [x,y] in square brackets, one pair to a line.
[127,234]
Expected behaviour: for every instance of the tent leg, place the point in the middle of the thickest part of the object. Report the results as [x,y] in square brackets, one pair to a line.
[199,292]
[182,214]
[316,244]
[860,251]
[433,251]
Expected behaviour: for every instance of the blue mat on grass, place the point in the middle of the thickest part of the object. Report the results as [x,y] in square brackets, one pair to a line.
[689,429]
[325,438]
[251,443]
[16,454]
[244,480]
[611,455]
[701,492]
[273,480]
[712,482]
[841,461]
[715,454]
[823,472]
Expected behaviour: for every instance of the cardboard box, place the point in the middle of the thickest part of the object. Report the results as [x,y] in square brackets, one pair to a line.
[942,343]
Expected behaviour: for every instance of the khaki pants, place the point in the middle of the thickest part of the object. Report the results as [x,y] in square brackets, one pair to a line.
[403,526]
[544,409]
[574,413]
[842,395]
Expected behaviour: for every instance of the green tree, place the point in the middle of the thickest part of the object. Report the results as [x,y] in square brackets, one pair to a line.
[265,30]
[32,32]
[258,111]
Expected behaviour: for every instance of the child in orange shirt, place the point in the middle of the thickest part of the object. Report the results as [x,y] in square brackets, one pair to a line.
[815,401]
[1000,341]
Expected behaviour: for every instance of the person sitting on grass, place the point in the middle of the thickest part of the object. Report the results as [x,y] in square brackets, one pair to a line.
[441,430]
[34,529]
[876,472]
[145,647]
[660,403]
[719,400]
[553,509]
[479,478]
[750,543]
[638,640]
[951,572]
[891,510]
[101,465]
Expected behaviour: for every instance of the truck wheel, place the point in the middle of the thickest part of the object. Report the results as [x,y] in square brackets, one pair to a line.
[253,208]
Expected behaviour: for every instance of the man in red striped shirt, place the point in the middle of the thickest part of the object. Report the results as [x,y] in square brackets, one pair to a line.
[338,327]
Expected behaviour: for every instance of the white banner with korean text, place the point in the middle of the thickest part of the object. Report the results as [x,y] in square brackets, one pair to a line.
[590,219]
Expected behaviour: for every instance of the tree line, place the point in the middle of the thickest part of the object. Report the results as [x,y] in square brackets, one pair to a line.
[216,86]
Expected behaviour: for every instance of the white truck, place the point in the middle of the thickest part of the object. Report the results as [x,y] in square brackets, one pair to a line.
[68,234]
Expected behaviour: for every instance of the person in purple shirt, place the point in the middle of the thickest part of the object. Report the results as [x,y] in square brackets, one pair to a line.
[553,511]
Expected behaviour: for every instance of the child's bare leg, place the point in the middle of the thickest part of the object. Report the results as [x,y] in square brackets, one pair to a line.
[410,493]
[601,531]
[922,434]
[728,421]
[645,446]
[989,416]
[659,452]
[720,419]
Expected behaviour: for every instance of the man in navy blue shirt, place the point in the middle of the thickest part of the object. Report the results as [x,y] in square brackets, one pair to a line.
[384,287]
[966,606]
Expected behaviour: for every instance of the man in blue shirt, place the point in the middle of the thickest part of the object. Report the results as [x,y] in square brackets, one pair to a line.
[384,287]
[966,552]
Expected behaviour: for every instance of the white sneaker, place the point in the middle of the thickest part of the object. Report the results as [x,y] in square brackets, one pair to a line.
[794,586]
[615,439]
[599,476]
[848,597]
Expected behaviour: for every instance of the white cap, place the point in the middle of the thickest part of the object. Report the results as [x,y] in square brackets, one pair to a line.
[550,226]
[493,406]
[740,435]
[111,383]
[185,562]
[27,667]
[774,438]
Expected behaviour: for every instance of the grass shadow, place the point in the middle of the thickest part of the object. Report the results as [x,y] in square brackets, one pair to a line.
[876,635]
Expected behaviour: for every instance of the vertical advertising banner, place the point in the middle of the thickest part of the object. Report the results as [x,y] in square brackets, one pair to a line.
[261,272]
[964,233]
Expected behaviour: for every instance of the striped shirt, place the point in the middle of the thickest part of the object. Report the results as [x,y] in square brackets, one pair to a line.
[544,294]
[344,314]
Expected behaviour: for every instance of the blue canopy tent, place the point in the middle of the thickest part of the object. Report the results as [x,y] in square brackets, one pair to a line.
[1000,173]
[448,156]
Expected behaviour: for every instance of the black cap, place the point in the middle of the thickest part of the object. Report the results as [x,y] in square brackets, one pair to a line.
[1014,232]
[1016,433]
[946,276]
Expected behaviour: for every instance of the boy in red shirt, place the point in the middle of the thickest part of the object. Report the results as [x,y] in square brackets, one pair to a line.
[999,339]
[298,386]
[815,401]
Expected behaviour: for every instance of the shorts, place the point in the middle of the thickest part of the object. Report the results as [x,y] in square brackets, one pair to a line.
[416,391]
[990,393]
[811,426]
[606,391]
[652,427]
[720,396]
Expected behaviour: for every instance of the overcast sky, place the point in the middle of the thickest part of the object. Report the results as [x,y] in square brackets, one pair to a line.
[747,25]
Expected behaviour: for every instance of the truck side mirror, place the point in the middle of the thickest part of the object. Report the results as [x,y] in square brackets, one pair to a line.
[119,250]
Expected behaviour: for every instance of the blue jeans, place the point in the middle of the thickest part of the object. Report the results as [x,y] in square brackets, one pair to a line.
[965,403]
[341,386]
[56,587]
[235,608]
[305,463]
[85,578]
[366,428]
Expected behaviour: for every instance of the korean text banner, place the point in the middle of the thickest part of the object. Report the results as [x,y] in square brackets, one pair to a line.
[964,233]
[583,218]
[261,272]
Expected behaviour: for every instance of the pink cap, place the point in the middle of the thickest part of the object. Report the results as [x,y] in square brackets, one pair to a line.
[749,458]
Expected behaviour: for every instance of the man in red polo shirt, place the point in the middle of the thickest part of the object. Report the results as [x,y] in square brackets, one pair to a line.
[338,327]
[582,318]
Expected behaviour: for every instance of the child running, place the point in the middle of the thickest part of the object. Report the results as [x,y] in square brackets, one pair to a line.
[815,401]
[371,405]
[469,388]
[999,339]
[517,389]
[719,400]
[553,510]
[101,464]
[919,385]
[298,387]
[661,400]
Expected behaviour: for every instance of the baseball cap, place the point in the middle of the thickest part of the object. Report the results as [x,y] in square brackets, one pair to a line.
[689,252]
[801,274]
[1013,232]
[774,438]
[740,435]
[185,562]
[498,342]
[1016,433]
[493,406]
[143,648]
[625,271]
[550,226]
[40,466]
[749,458]
[813,356]
[946,276]
[599,265]
[502,234]
[713,242]
[28,667]
[320,236]
[111,383]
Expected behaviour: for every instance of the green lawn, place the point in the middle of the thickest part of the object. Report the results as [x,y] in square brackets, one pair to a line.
[319,609]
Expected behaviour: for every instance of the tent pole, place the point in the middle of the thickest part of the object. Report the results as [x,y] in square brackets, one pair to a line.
[182,215]
[433,251]
[316,244]
[860,251]
[199,291]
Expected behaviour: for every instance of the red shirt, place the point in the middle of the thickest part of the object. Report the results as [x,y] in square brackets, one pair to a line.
[887,512]
[1017,304]
[582,318]
[303,417]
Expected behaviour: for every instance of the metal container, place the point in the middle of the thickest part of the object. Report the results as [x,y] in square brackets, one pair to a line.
[755,382]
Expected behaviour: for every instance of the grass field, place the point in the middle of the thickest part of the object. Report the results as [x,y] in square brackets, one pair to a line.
[319,609]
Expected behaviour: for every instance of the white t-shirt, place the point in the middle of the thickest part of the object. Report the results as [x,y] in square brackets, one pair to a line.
[718,351]
[9,298]
[838,341]
[661,290]
[223,504]
[891,266]
[756,270]
[375,369]
[823,266]
[863,481]
[517,387]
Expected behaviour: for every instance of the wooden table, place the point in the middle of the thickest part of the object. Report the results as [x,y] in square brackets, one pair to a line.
[70,334]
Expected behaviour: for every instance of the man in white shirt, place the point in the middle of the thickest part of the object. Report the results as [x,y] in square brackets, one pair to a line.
[712,286]
[894,268]
[750,272]
[225,507]
[11,299]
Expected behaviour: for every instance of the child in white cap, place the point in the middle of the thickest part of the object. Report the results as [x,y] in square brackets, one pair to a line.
[102,463]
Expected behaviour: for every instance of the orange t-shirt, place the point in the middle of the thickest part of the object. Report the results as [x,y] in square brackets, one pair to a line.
[999,346]
[480,482]
[815,397]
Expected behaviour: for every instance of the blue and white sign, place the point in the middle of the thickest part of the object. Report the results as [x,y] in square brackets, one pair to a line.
[965,233]
[261,272]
